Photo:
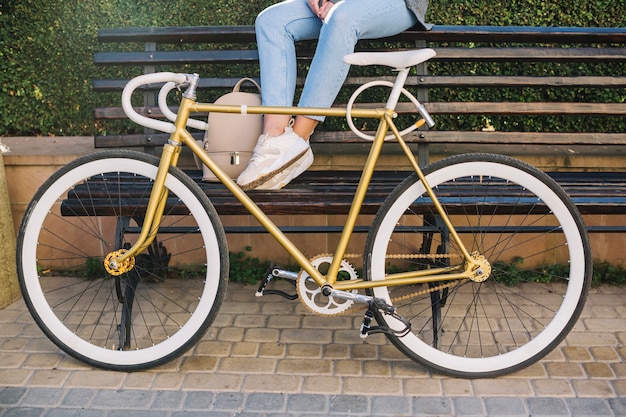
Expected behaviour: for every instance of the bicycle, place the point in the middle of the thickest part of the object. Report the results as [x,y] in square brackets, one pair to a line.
[476,265]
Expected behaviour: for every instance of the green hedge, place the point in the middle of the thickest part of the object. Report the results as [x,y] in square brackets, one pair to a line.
[47,47]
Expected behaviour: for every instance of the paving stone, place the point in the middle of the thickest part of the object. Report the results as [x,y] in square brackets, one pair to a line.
[127,399]
[228,401]
[285,322]
[42,360]
[432,406]
[618,405]
[307,403]
[272,383]
[24,412]
[598,370]
[199,364]
[265,402]
[547,407]
[167,400]
[605,353]
[198,400]
[456,387]
[168,381]
[589,407]
[264,334]
[390,405]
[95,379]
[11,395]
[553,388]
[304,350]
[593,388]
[376,368]
[202,414]
[348,367]
[272,350]
[576,353]
[214,348]
[565,370]
[75,412]
[78,397]
[306,336]
[49,397]
[322,384]
[248,321]
[131,413]
[304,367]
[505,406]
[244,349]
[372,386]
[467,406]
[349,404]
[422,387]
[48,378]
[502,387]
[217,382]
[247,365]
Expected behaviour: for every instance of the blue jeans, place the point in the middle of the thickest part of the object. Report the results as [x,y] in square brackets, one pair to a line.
[279,26]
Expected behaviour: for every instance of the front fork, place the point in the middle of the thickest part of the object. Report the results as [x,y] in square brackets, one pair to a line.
[122,261]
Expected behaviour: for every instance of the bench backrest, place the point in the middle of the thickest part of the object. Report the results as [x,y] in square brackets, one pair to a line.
[467,58]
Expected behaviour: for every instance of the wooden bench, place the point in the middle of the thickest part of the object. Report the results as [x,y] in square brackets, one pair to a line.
[231,50]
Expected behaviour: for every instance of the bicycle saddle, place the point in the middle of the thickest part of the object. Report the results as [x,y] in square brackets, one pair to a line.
[397,59]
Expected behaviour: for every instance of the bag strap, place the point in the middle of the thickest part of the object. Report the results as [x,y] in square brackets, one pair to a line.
[243,80]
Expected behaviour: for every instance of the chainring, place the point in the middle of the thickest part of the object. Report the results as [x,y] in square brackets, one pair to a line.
[310,294]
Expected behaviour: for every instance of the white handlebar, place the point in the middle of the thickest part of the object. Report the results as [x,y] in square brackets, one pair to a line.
[170,115]
[171,80]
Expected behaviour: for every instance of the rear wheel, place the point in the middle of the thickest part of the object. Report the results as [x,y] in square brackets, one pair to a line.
[147,316]
[536,248]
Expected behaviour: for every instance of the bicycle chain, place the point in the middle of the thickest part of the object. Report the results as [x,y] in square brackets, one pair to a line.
[428,291]
[403,297]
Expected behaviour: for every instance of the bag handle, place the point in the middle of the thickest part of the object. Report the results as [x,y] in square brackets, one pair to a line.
[243,80]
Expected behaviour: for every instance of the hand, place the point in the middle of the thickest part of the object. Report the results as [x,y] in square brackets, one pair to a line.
[320,8]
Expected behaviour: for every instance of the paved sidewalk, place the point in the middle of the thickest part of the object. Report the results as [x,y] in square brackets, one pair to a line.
[268,356]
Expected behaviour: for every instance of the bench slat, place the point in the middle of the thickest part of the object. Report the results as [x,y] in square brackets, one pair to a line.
[438,33]
[302,195]
[451,137]
[176,57]
[504,108]
[443,55]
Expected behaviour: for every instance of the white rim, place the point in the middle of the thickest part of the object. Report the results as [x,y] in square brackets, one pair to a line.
[38,299]
[571,298]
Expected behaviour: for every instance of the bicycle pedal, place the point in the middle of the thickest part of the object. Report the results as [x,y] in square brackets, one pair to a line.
[267,277]
[382,307]
[274,271]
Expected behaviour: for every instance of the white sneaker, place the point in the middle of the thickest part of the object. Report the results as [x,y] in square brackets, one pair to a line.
[272,156]
[284,177]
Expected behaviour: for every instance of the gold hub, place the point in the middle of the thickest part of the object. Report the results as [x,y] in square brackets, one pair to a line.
[481,268]
[116,268]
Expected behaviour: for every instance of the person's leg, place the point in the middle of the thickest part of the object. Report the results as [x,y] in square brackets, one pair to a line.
[277,29]
[349,21]
[279,159]
[282,151]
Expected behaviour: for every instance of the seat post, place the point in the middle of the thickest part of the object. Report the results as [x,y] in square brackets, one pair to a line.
[396,91]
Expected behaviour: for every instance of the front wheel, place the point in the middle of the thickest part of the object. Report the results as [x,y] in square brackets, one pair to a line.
[142,318]
[536,247]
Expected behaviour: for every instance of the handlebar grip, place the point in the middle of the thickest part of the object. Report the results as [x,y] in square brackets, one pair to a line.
[160,77]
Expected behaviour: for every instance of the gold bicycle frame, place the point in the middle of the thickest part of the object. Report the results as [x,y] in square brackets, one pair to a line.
[181,136]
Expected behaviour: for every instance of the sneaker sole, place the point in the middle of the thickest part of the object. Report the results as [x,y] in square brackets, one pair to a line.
[283,178]
[264,178]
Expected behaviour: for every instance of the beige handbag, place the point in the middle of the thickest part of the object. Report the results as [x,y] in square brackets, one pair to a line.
[230,138]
